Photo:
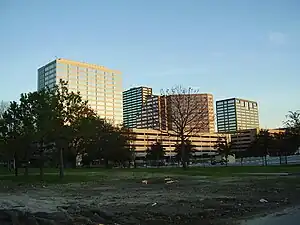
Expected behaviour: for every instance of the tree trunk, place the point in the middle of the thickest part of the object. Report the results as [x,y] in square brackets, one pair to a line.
[183,161]
[266,163]
[242,161]
[16,171]
[26,163]
[16,165]
[26,170]
[280,162]
[9,165]
[42,165]
[226,162]
[106,163]
[61,163]
[286,161]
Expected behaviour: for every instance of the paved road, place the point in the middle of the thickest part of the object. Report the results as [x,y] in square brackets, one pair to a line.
[286,217]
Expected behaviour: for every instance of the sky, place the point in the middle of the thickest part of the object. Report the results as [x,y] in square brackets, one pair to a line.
[235,48]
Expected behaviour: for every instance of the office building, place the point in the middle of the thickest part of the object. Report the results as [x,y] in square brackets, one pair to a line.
[102,87]
[242,139]
[204,143]
[206,112]
[158,112]
[133,101]
[236,114]
[153,114]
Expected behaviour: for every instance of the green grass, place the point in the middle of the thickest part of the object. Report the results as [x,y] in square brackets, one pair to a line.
[100,174]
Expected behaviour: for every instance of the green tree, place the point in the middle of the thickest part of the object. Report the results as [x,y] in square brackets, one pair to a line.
[284,145]
[99,140]
[67,107]
[189,151]
[4,150]
[263,145]
[155,153]
[3,107]
[224,148]
[13,136]
[292,125]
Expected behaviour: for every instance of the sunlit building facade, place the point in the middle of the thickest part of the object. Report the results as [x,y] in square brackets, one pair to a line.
[102,87]
[157,113]
[203,143]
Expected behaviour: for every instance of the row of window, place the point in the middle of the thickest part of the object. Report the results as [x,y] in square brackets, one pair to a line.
[131,101]
[50,66]
[93,89]
[84,69]
[225,102]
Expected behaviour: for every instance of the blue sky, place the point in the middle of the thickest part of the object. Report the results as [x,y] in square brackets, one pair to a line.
[234,48]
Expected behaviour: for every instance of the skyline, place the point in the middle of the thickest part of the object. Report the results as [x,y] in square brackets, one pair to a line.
[231,49]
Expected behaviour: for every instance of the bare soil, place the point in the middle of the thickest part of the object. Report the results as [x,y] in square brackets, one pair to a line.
[185,200]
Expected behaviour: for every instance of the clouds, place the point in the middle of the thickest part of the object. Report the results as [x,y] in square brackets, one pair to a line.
[277,38]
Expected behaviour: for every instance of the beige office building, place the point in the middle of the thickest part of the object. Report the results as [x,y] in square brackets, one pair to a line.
[204,143]
[102,87]
[242,139]
[153,114]
[157,112]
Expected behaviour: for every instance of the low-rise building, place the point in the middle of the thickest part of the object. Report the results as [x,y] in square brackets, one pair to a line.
[242,139]
[204,143]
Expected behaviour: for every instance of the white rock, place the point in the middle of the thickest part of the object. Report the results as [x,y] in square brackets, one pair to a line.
[263,200]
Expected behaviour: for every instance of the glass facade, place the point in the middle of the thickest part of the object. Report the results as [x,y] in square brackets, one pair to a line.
[236,114]
[101,87]
[133,101]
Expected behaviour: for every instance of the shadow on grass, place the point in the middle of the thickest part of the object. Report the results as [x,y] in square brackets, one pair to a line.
[51,179]
[100,174]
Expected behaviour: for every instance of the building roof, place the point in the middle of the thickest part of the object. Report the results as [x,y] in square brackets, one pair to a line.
[234,98]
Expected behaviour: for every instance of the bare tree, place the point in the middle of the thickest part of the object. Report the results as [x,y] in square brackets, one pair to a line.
[188,114]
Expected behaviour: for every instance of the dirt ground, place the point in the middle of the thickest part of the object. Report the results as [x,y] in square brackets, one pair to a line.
[180,200]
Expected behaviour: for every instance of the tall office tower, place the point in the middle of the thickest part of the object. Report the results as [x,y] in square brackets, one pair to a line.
[133,101]
[153,114]
[157,113]
[102,87]
[236,114]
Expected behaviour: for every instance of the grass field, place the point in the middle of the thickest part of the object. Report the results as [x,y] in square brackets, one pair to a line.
[98,174]
[212,195]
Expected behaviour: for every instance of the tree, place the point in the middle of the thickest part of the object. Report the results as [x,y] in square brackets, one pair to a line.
[292,125]
[188,114]
[224,148]
[28,131]
[189,151]
[13,136]
[115,147]
[96,139]
[67,107]
[262,145]
[155,153]
[3,108]
[284,145]
[4,150]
